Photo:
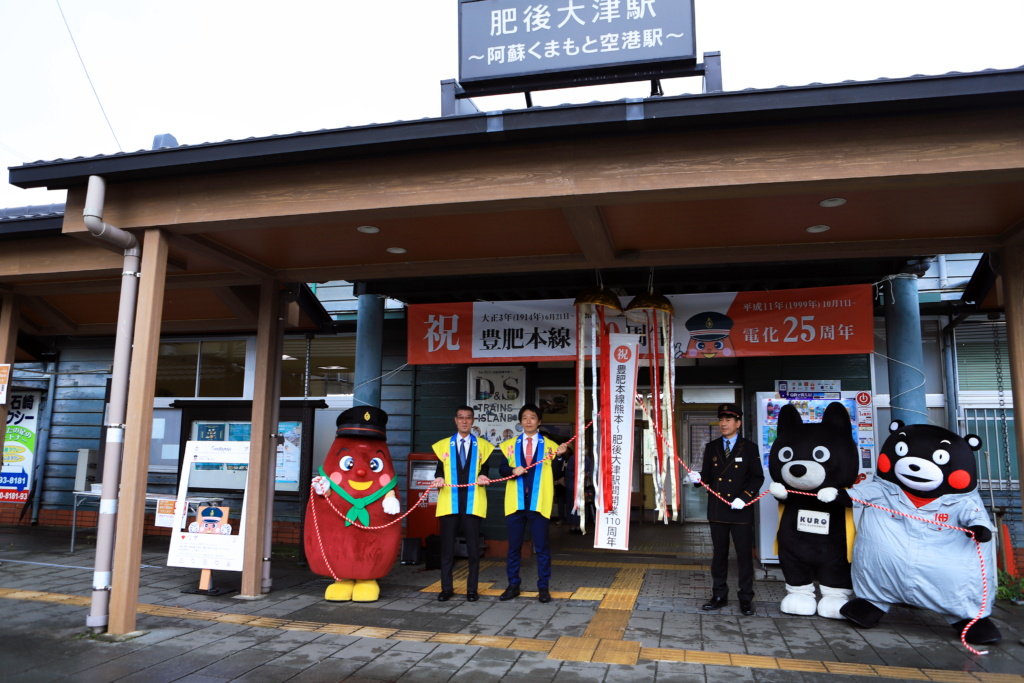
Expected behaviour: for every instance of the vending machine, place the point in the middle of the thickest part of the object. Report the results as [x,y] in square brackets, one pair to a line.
[810,397]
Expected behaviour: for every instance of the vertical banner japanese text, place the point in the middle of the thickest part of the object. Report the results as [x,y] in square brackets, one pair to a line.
[19,446]
[496,393]
[613,527]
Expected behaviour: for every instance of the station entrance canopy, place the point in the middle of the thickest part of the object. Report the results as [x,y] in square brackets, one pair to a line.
[813,321]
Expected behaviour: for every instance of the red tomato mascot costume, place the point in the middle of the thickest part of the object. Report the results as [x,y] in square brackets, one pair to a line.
[355,488]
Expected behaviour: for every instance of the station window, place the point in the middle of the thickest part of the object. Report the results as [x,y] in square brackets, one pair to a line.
[331,366]
[207,369]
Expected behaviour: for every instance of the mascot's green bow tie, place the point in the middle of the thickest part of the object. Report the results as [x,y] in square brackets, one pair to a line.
[358,513]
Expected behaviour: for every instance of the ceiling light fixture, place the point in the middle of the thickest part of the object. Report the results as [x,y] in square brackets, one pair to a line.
[332,367]
[368,229]
[832,203]
[287,357]
[396,250]
[818,228]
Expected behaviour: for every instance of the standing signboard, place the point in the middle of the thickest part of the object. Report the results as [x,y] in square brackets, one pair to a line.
[19,446]
[572,40]
[496,393]
[208,550]
[612,529]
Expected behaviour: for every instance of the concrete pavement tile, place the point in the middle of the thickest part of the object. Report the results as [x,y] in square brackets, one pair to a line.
[448,656]
[336,639]
[780,676]
[305,656]
[173,669]
[426,674]
[643,672]
[535,665]
[523,628]
[239,663]
[365,649]
[408,604]
[894,650]
[680,672]
[481,671]
[496,654]
[266,674]
[286,641]
[728,673]
[200,678]
[328,671]
[414,646]
[390,665]
[582,672]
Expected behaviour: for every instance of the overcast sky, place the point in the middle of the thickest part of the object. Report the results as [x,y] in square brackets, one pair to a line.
[212,70]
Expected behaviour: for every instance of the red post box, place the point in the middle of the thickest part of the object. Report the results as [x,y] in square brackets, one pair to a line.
[422,521]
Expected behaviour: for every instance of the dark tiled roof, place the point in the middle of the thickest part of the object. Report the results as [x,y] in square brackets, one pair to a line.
[23,213]
[953,89]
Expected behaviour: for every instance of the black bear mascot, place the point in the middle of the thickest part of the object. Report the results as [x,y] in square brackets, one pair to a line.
[814,538]
[928,472]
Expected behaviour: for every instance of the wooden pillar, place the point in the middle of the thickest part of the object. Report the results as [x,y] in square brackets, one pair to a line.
[1012,266]
[262,450]
[124,593]
[10,317]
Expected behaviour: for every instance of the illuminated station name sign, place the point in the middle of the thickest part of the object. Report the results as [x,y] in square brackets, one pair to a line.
[517,39]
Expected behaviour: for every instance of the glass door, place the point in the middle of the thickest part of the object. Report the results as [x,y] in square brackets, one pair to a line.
[698,428]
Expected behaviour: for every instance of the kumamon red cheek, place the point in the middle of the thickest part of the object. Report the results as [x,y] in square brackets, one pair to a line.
[960,479]
[883,463]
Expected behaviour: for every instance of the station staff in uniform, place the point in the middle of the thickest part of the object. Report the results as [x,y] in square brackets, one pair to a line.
[732,468]
[462,459]
[528,498]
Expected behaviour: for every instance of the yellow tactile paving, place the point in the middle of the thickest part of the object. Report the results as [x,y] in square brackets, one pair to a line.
[589,594]
[617,652]
[850,669]
[531,645]
[603,636]
[569,649]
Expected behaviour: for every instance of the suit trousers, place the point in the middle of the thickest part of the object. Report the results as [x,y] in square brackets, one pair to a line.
[538,523]
[743,539]
[471,530]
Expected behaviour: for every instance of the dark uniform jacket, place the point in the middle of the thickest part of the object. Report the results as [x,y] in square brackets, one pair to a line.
[738,476]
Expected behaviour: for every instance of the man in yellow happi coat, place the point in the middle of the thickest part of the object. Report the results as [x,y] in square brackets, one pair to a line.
[462,459]
[528,497]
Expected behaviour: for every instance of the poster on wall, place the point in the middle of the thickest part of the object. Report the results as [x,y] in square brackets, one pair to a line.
[612,528]
[216,475]
[496,393]
[19,446]
[209,542]
[793,322]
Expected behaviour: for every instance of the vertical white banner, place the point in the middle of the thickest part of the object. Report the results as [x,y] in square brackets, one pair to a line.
[612,529]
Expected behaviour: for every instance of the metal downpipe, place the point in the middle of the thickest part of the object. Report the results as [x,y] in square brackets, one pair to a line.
[99,614]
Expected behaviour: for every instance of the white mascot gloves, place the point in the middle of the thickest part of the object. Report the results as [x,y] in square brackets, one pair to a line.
[391,505]
[694,477]
[321,485]
[778,490]
[827,494]
[738,504]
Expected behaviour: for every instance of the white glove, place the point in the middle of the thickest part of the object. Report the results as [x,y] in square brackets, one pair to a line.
[694,477]
[321,485]
[778,490]
[738,504]
[827,494]
[391,505]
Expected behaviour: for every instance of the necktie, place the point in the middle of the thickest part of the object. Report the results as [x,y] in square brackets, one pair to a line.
[728,450]
[529,451]
[462,452]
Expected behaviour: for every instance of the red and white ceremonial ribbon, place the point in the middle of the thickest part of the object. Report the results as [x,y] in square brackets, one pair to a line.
[396,520]
[977,545]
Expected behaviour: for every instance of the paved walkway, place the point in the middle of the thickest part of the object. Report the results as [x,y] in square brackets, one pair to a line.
[617,617]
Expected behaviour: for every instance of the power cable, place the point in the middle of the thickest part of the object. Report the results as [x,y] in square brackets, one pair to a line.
[15,152]
[87,76]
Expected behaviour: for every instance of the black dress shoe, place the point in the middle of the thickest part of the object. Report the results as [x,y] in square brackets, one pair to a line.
[472,597]
[510,592]
[445,596]
[715,603]
[747,608]
[544,596]
[863,613]
[984,631]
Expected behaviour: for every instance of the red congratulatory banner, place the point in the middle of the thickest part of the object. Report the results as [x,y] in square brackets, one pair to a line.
[792,322]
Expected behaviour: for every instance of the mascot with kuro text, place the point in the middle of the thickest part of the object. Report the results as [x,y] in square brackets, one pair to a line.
[355,489]
[815,538]
[928,472]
